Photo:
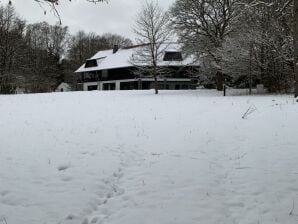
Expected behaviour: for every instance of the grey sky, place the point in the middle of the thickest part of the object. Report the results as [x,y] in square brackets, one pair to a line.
[117,16]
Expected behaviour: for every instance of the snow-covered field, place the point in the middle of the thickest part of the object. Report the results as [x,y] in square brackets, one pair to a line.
[182,157]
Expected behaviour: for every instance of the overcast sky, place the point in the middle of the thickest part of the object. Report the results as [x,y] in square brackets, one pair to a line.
[117,16]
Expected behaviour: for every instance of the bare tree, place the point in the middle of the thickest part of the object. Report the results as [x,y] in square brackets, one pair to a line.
[202,26]
[152,32]
[115,39]
[30,55]
[11,34]
[45,49]
[259,50]
[253,38]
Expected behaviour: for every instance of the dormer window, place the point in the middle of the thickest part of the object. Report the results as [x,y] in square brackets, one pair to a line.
[91,63]
[173,56]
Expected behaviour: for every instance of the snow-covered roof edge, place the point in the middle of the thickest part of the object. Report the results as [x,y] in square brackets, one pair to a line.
[106,59]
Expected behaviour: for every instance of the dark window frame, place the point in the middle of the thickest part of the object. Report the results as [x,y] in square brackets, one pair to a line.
[91,63]
[92,87]
[173,56]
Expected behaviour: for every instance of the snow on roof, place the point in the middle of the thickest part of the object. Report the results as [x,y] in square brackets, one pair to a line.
[122,58]
[63,85]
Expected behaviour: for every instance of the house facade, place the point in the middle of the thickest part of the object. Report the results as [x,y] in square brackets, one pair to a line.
[115,70]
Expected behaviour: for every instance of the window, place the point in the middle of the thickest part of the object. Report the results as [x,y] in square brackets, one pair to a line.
[109,86]
[93,87]
[184,86]
[104,74]
[91,63]
[173,56]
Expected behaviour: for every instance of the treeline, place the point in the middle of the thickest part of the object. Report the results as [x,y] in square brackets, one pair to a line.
[37,57]
[241,42]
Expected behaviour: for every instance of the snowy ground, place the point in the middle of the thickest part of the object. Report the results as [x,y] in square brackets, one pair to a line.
[132,157]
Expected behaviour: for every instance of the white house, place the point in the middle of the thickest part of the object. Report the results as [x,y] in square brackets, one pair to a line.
[63,87]
[113,70]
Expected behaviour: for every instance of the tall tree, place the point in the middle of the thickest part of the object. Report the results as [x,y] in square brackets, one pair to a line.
[115,39]
[151,29]
[11,34]
[259,48]
[202,26]
[45,48]
[296,46]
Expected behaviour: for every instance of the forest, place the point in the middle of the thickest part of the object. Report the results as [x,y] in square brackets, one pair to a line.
[37,57]
[241,43]
[244,42]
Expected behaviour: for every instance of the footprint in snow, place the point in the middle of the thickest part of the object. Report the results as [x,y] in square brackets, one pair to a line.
[94,220]
[85,221]
[63,167]
[67,178]
[118,175]
[4,193]
[71,217]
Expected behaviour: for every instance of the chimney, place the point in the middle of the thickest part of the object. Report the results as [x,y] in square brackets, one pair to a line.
[115,49]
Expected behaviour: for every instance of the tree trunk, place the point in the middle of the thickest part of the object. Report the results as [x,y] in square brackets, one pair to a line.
[296,46]
[219,80]
[156,83]
[250,69]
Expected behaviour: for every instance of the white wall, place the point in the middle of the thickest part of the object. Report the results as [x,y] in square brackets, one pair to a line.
[64,86]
